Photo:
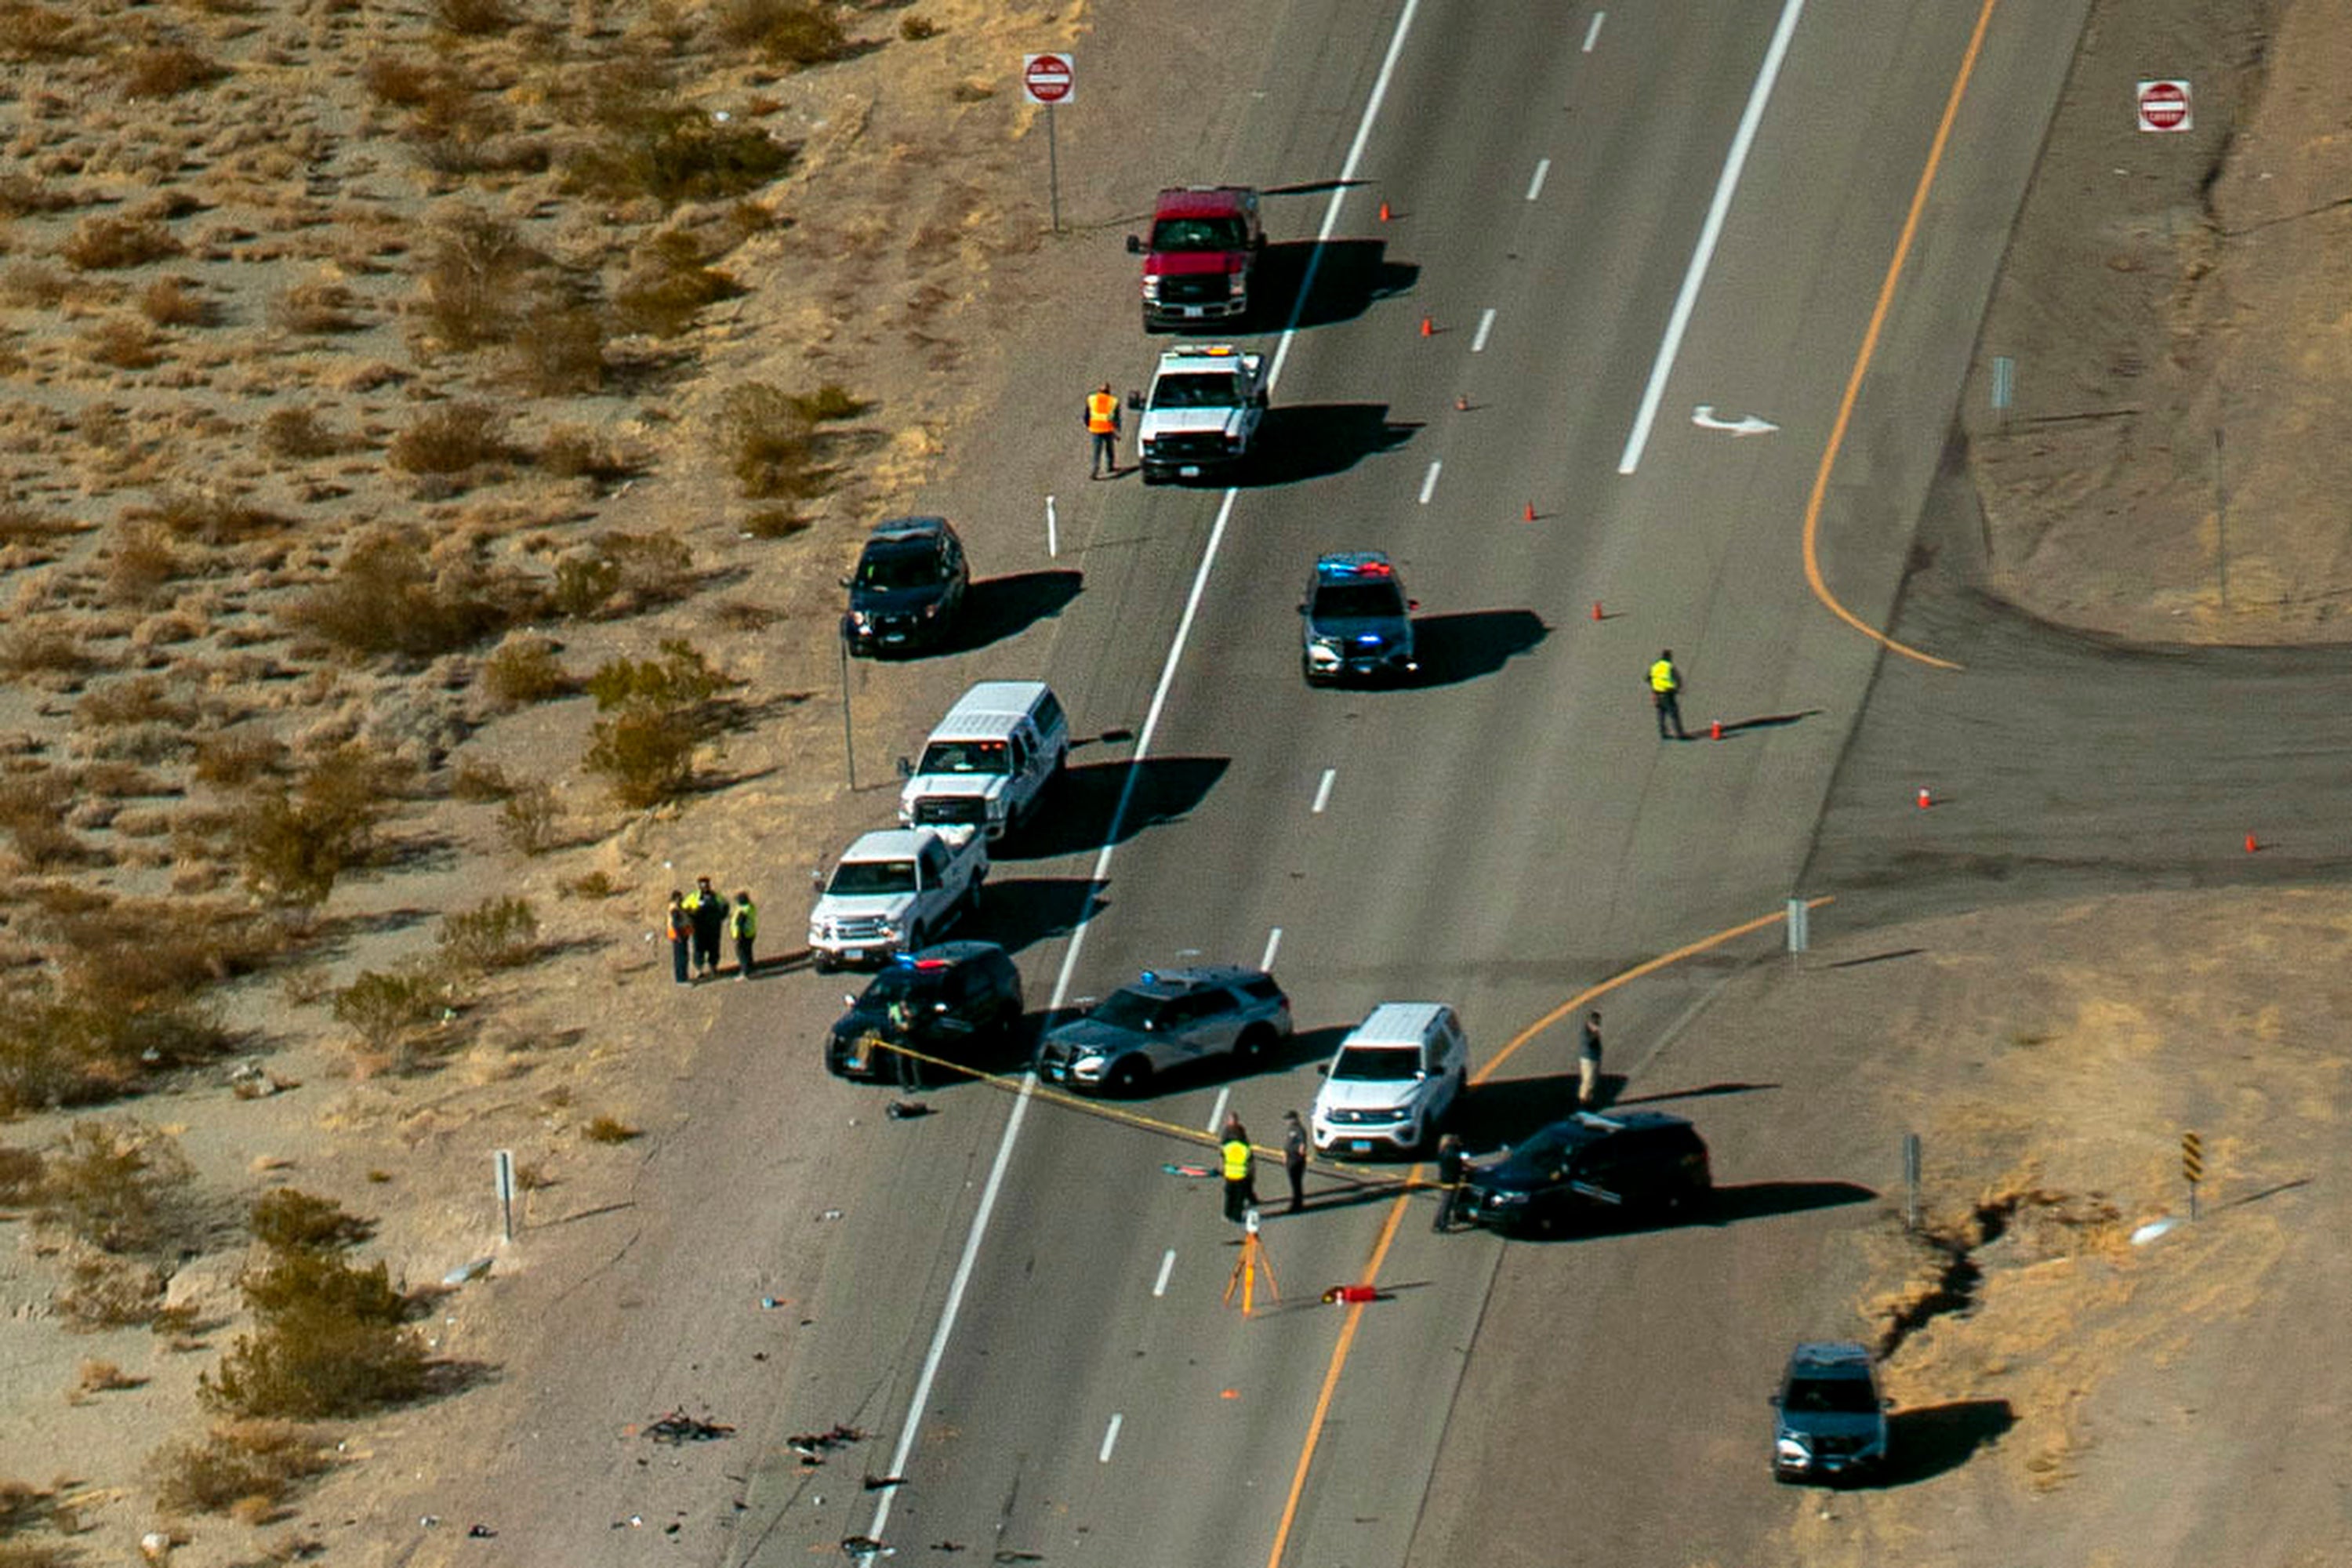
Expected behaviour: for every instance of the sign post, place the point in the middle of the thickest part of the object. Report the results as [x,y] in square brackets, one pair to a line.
[1799,926]
[2164,105]
[505,1167]
[1911,1181]
[2192,1166]
[1050,79]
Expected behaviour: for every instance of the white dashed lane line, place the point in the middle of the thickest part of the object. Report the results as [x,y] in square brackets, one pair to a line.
[1428,488]
[1594,31]
[1535,186]
[1167,1266]
[1485,325]
[1273,944]
[1111,1439]
[1217,1113]
[1323,790]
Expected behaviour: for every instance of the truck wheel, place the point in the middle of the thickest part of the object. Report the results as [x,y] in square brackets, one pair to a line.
[1252,1047]
[1131,1076]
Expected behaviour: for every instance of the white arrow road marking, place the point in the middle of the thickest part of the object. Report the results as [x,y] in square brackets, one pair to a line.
[1748,425]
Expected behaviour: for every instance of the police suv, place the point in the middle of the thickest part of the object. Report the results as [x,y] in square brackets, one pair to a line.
[1201,412]
[1356,621]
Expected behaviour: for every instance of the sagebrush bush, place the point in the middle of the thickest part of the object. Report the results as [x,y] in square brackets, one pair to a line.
[471,18]
[210,517]
[645,755]
[239,758]
[608,1130]
[104,242]
[333,1339]
[21,526]
[174,303]
[33,647]
[133,955]
[388,1010]
[915,29]
[134,700]
[237,1462]
[768,443]
[291,843]
[576,452]
[498,934]
[680,680]
[101,1291]
[829,402]
[449,441]
[118,1186]
[315,309]
[289,1219]
[479,782]
[673,153]
[585,585]
[478,281]
[33,815]
[298,433]
[667,286]
[166,71]
[120,342]
[388,597]
[144,564]
[529,817]
[60,1050]
[776,522]
[560,348]
[784,32]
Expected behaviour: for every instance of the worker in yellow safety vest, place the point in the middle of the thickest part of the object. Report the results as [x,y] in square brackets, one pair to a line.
[1102,424]
[1666,694]
[1241,1190]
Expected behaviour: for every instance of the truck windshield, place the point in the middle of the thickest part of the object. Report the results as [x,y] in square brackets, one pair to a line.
[860,878]
[889,571]
[1199,233]
[1193,392]
[1377,1064]
[967,757]
[1830,1396]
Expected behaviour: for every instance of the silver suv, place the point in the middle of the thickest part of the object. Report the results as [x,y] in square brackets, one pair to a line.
[1164,1021]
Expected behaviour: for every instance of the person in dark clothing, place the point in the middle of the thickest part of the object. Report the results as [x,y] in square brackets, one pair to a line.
[708,908]
[681,937]
[1293,1158]
[1449,1181]
[1666,695]
[1240,1163]
[744,925]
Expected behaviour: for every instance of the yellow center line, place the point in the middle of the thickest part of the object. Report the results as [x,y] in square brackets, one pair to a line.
[1389,1228]
[1869,347]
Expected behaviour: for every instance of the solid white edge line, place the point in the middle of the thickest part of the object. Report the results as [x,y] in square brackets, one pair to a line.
[1322,799]
[1485,325]
[1217,1111]
[1429,480]
[1273,944]
[1110,1440]
[1167,1266]
[961,1281]
[1535,186]
[1726,184]
[1593,32]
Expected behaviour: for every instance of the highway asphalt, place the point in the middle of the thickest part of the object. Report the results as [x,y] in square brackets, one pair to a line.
[1507,831]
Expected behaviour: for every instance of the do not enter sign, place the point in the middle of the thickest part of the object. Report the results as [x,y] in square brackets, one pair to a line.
[1047,78]
[2164,106]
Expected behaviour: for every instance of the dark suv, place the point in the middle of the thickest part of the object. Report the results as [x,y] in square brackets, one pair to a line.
[1590,1167]
[1166,1021]
[1357,621]
[908,589]
[947,1000]
[1831,1423]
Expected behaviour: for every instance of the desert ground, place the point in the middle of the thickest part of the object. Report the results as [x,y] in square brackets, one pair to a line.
[321,322]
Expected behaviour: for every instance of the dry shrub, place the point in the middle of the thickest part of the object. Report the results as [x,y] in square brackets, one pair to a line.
[333,1340]
[449,441]
[608,1130]
[316,309]
[240,758]
[134,700]
[680,680]
[589,885]
[117,1186]
[210,516]
[472,18]
[529,817]
[237,1462]
[401,81]
[106,243]
[289,1218]
[291,843]
[297,434]
[174,303]
[21,528]
[739,615]
[389,598]
[585,585]
[101,1291]
[63,1049]
[645,755]
[667,286]
[576,452]
[480,782]
[784,32]
[672,153]
[651,568]
[29,195]
[478,282]
[523,670]
[143,562]
[830,402]
[43,648]
[20,1181]
[138,956]
[768,443]
[33,815]
[498,934]
[120,342]
[31,286]
[915,29]
[387,1011]
[94,1377]
[559,350]
[776,522]
[167,71]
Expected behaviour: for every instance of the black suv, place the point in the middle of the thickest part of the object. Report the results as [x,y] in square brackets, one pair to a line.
[1831,1423]
[1357,622]
[908,589]
[946,1001]
[1589,1167]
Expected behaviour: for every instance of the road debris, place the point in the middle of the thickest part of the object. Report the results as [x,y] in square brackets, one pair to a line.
[812,1447]
[1174,1169]
[905,1110]
[678,1426]
[830,1214]
[480,1532]
[874,1483]
[865,1549]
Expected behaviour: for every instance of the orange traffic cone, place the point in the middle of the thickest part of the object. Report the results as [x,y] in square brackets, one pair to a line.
[1926,800]
[1715,731]
[1384,212]
[2253,846]
[1596,611]
[1461,403]
[1530,515]
[1428,327]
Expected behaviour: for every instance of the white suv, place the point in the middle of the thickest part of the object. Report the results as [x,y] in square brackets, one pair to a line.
[1395,1077]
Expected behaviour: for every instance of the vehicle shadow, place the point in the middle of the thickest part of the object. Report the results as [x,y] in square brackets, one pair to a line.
[1935,1438]
[1019,911]
[1491,1115]
[1473,643]
[1704,1091]
[1350,277]
[1304,1047]
[1074,818]
[1314,440]
[998,608]
[1723,1206]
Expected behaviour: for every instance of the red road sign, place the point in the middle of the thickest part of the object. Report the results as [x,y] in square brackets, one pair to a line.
[1047,78]
[2164,106]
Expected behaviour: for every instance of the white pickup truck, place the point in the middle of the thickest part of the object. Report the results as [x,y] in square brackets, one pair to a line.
[895,892]
[1201,412]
